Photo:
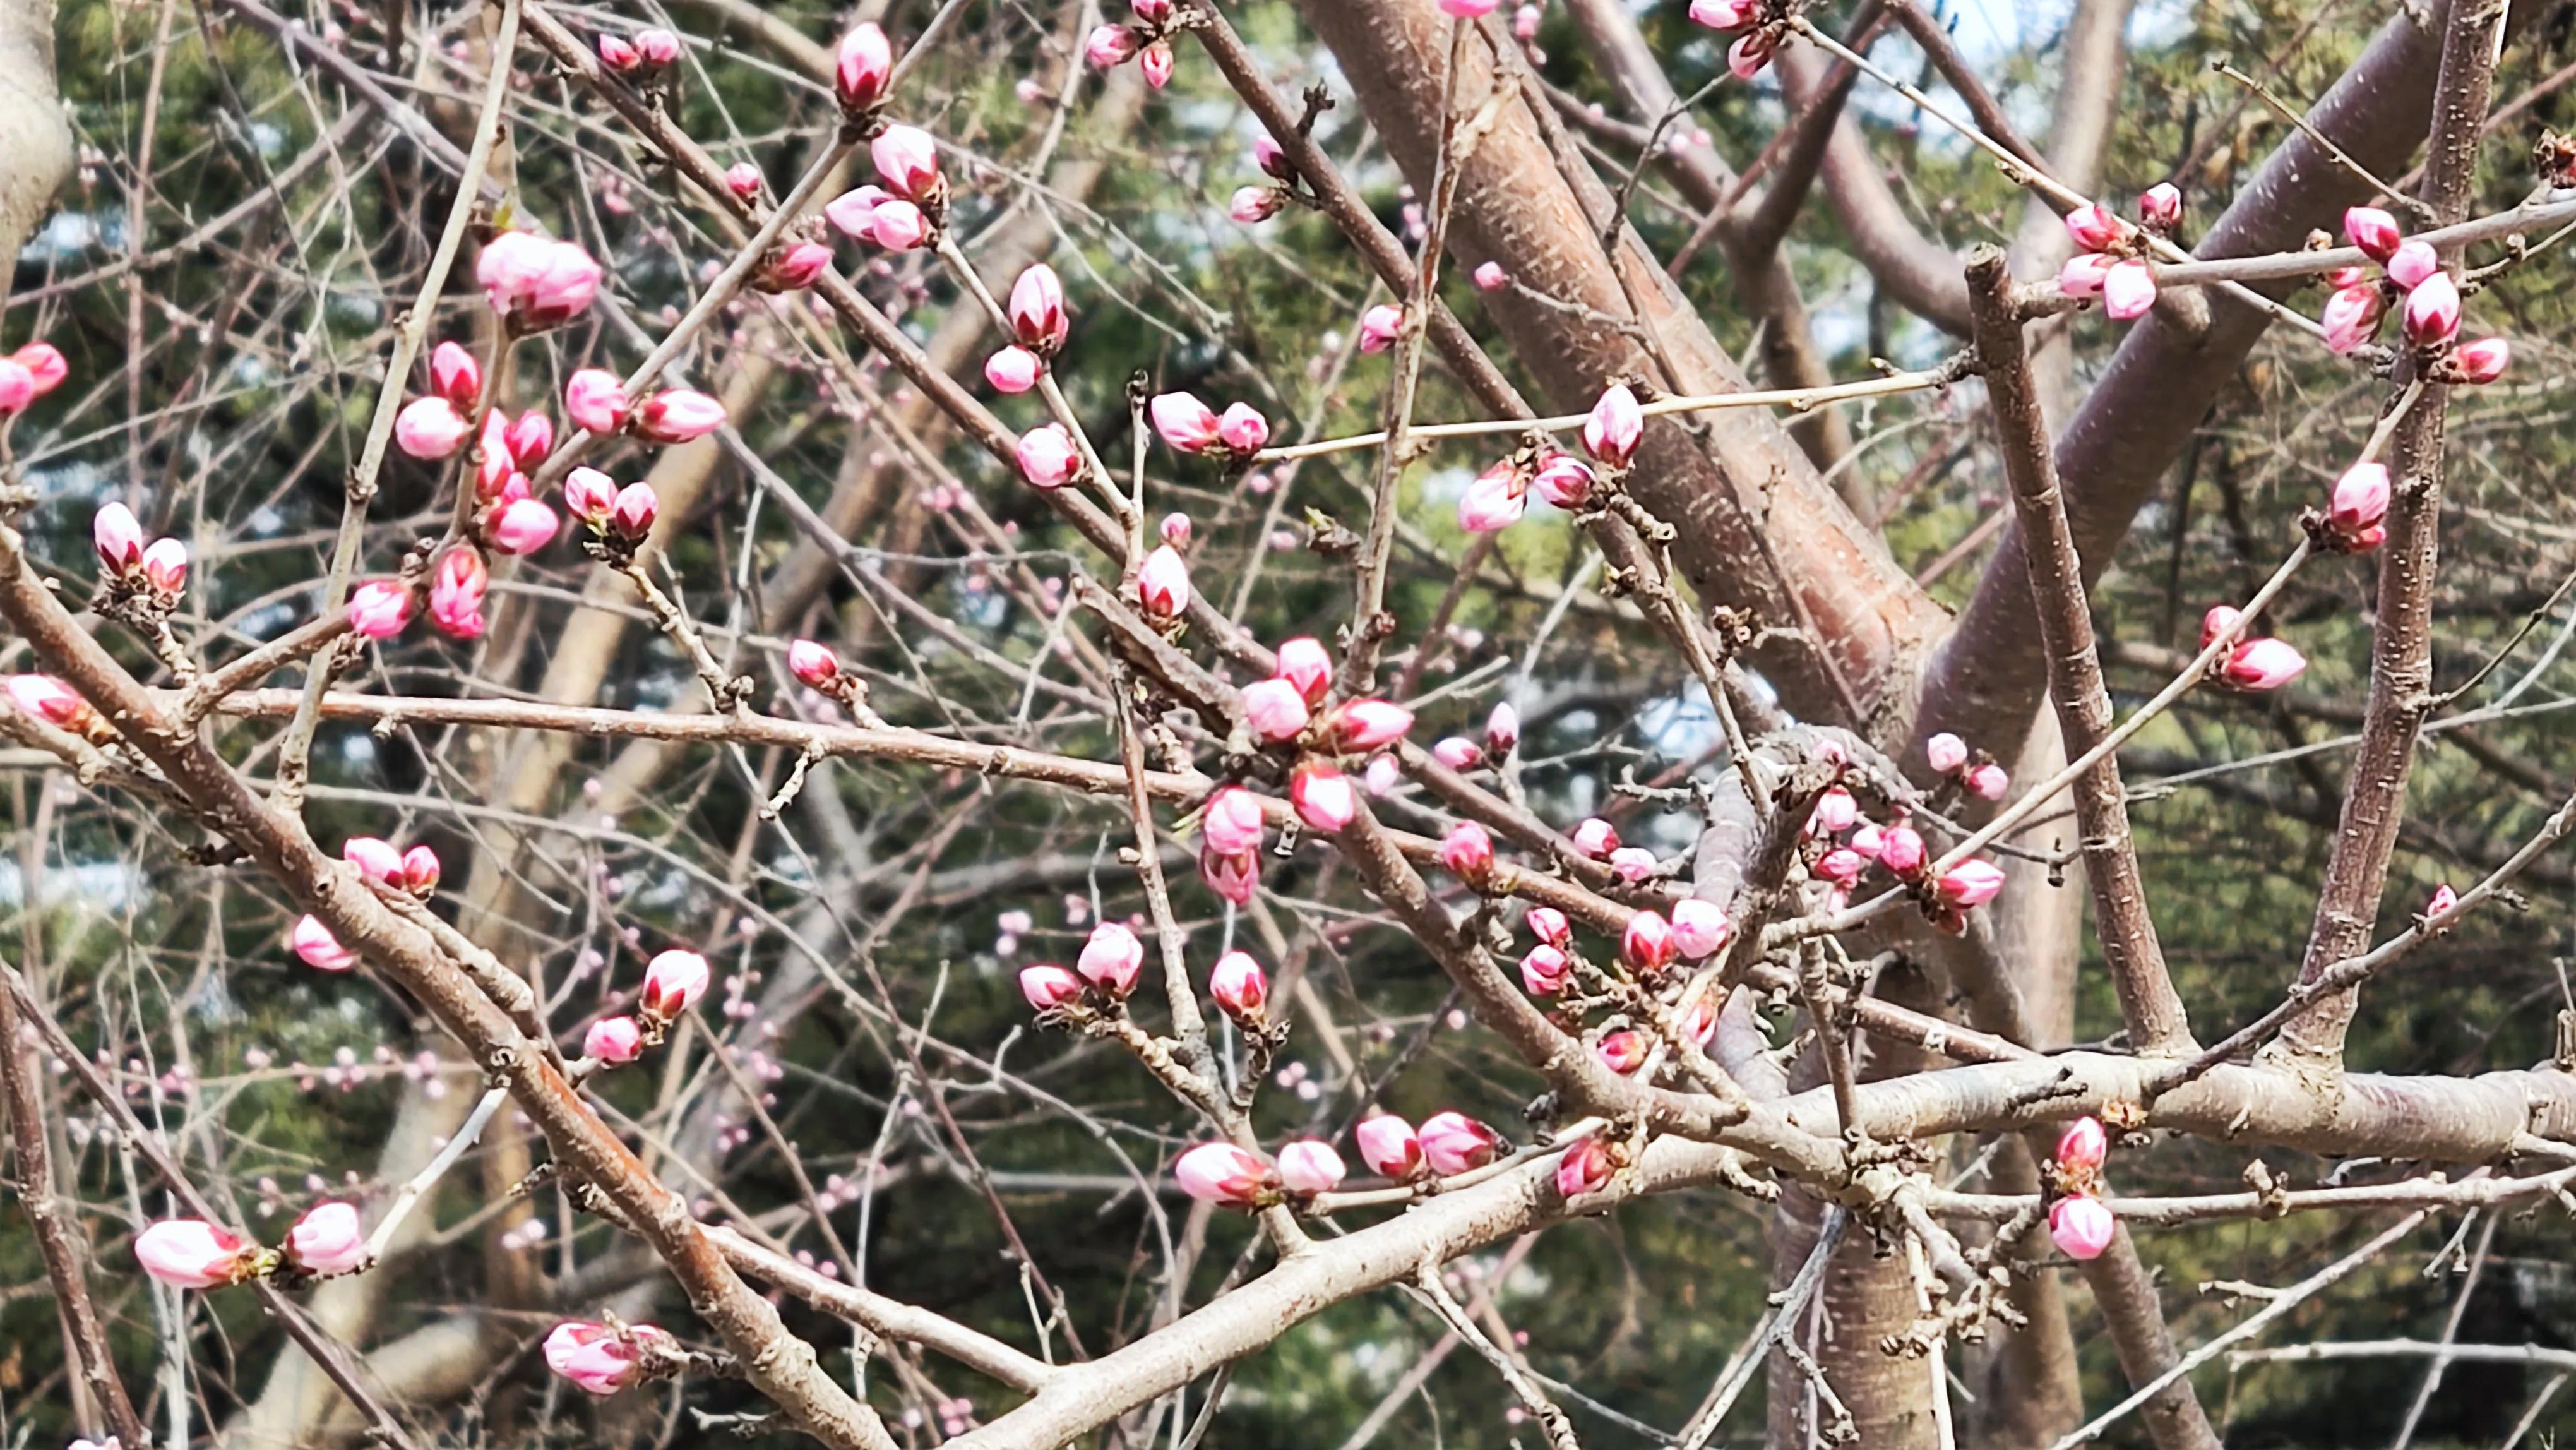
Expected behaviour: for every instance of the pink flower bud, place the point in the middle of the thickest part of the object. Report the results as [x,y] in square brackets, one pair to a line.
[1467,852]
[1185,423]
[2412,262]
[455,374]
[379,609]
[2219,620]
[678,415]
[1839,867]
[1383,776]
[456,592]
[2083,1145]
[1596,838]
[1971,883]
[796,267]
[907,161]
[1272,159]
[1616,424]
[1225,1175]
[2432,311]
[2161,206]
[853,213]
[1749,54]
[1048,457]
[594,1357]
[657,47]
[429,428]
[17,388]
[1725,14]
[743,179]
[2128,289]
[190,1253]
[1379,327]
[673,982]
[1700,928]
[897,225]
[861,68]
[1252,205]
[812,663]
[1389,1147]
[596,400]
[375,858]
[1490,277]
[118,537]
[1632,864]
[1945,753]
[1240,987]
[1502,729]
[1111,46]
[1231,822]
[1987,781]
[1155,63]
[2081,1227]
[2263,664]
[1468,9]
[165,567]
[45,366]
[1457,752]
[521,526]
[2360,498]
[530,439]
[1048,986]
[2095,227]
[1242,429]
[2083,274]
[50,700]
[1495,500]
[1867,840]
[1456,1143]
[1306,667]
[589,494]
[1648,945]
[420,871]
[1234,876]
[534,283]
[1163,584]
[1700,1024]
[319,949]
[1368,724]
[613,1040]
[1310,1166]
[1013,370]
[1549,925]
[1323,797]
[1036,310]
[1587,1166]
[2443,900]
[1544,970]
[1623,1051]
[1111,959]
[1565,481]
[2372,230]
[1901,851]
[2351,317]
[1274,710]
[327,1240]
[1834,812]
[2482,361]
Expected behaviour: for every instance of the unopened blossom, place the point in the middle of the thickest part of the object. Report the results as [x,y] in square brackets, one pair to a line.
[1986,781]
[907,161]
[1457,752]
[1549,925]
[1174,530]
[589,494]
[2160,206]
[379,608]
[1048,457]
[1750,53]
[794,267]
[596,1357]
[1455,1143]
[613,1040]
[897,225]
[673,982]
[1901,851]
[1971,883]
[1469,9]
[2443,901]
[1242,429]
[521,526]
[1490,277]
[1699,1024]
[1544,970]
[1155,63]
[1495,500]
[2094,227]
[430,428]
[2263,664]
[45,366]
[1700,928]
[1612,430]
[1253,205]
[318,948]
[420,871]
[165,567]
[2482,361]
[1945,752]
[1467,852]
[861,68]
[17,388]
[1648,945]
[2221,619]
[1725,14]
[2412,262]
[813,664]
[455,375]
[2351,318]
[1502,729]
[1306,667]
[1163,583]
[1388,1146]
[853,212]
[1310,1166]
[375,858]
[1867,839]
[1587,1167]
[327,1240]
[2081,1227]
[1368,724]
[1048,986]
[1036,310]
[1111,959]
[2374,231]
[1274,710]
[657,47]
[190,1253]
[596,400]
[1012,369]
[1596,838]
[2083,1145]
[1833,813]
[1232,876]
[677,415]
[2432,314]
[1110,46]
[456,593]
[1623,1051]
[535,283]
[1632,864]
[1379,327]
[2083,274]
[1382,776]
[1185,423]
[1563,480]
[1839,867]
[743,179]
[1240,987]
[1323,797]
[2359,504]
[118,538]
[2128,289]
[1225,1175]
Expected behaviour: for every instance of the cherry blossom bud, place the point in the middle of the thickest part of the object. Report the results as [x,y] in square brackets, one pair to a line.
[1048,457]
[1049,986]
[1502,729]
[535,283]
[1834,812]
[907,161]
[1110,46]
[594,1357]
[1253,205]
[1304,663]
[1013,370]
[2351,317]
[1495,500]
[455,374]
[861,68]
[379,609]
[1700,928]
[2161,206]
[1544,970]
[1987,781]
[1323,797]
[327,1240]
[2482,361]
[1310,1166]
[2263,664]
[673,983]
[2128,289]
[1274,710]
[45,367]
[456,593]
[1242,429]
[1379,327]
[613,1040]
[853,212]
[420,871]
[1587,1166]
[376,859]
[1383,776]
[678,415]
[812,663]
[1163,584]
[2081,1227]
[1867,839]
[1565,481]
[1623,1051]
[1610,434]
[319,949]
[743,179]
[1272,159]
[1456,1143]
[118,537]
[1945,753]
[2219,620]
[1240,987]
[190,1253]
[2083,274]
[1225,1175]
[589,494]
[1839,867]
[1467,852]
[521,526]
[1036,311]
[1971,883]
[1596,838]
[1632,864]
[1174,530]
[1232,876]
[1111,959]
[1901,851]
[493,466]
[2412,262]
[1155,62]
[657,48]
[1232,822]
[2095,227]
[1368,724]
[1490,277]
[165,567]
[1749,54]
[1700,1024]
[1457,752]
[796,267]
[1185,423]
[897,225]
[596,400]
[1468,9]
[2432,313]
[2083,1145]
[50,700]
[17,388]
[2360,498]
[2342,277]
[1389,1147]
[429,428]
[2444,899]
[2372,230]
[1525,22]
[1549,925]
[1648,945]
[1725,14]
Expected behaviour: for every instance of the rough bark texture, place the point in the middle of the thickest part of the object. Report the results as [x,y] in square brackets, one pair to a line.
[33,134]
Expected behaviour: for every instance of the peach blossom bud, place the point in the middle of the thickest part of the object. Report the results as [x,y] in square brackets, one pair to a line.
[376,858]
[1867,840]
[1323,797]
[1240,987]
[1839,867]
[1036,311]
[743,179]
[1564,480]
[2219,620]
[1388,1146]
[1272,159]
[521,526]
[327,1240]
[1544,970]
[1456,1143]
[2161,206]
[455,374]
[1048,457]
[530,439]
[2128,289]
[1467,852]
[1111,46]
[456,593]
[796,267]
[1163,584]
[2482,361]
[1252,205]
[1468,9]
[595,1358]
[589,494]
[596,400]
[1379,327]
[2263,664]
[50,700]
[1490,277]
[2095,228]
[1632,864]
[1987,781]
[618,54]
[1232,876]
[118,537]
[1725,14]
[2081,1227]
[2443,900]
[1310,1166]
[1242,429]
[1225,1175]
[1155,62]
[1495,500]
[1368,724]
[1174,530]
[1502,729]
[673,982]
[2432,311]
[1232,822]
[319,948]
[1457,752]
[1971,883]
[897,225]
[1012,370]
[678,415]
[2412,262]
[165,567]
[2372,230]
[1749,54]
[1304,664]
[420,871]
[1614,427]
[2351,317]
[1700,1023]
[812,663]
[1111,958]
[190,1253]
[2360,498]
[1383,776]
[853,213]
[1047,986]
[907,161]
[1700,928]
[1185,423]
[1549,925]
[17,388]
[861,68]
[1623,1051]
[1587,1166]
[2342,277]
[2083,1145]
[1834,812]
[379,609]
[1901,851]
[1596,838]
[1648,945]
[657,47]
[1945,753]
[614,1040]
[44,364]
[1274,710]
[2083,274]
[1525,22]
[429,428]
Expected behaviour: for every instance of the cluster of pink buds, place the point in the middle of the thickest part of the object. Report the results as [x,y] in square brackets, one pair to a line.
[48,699]
[648,54]
[1147,41]
[1754,48]
[2356,515]
[1193,427]
[28,374]
[535,283]
[2430,318]
[190,1253]
[1039,326]
[1449,1143]
[623,514]
[1502,736]
[2253,665]
[1252,205]
[604,1359]
[158,568]
[2110,260]
[414,872]
[1111,961]
[1976,772]
[2079,1222]
[432,427]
